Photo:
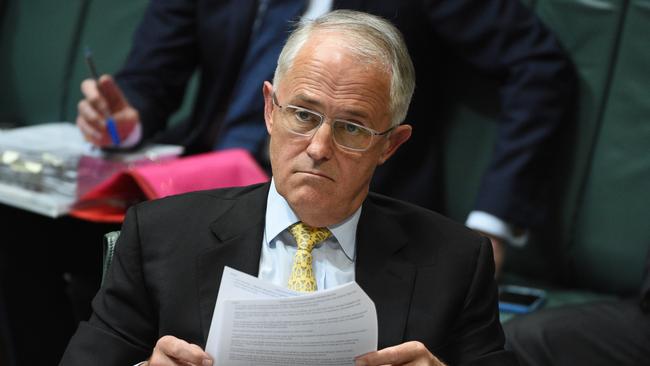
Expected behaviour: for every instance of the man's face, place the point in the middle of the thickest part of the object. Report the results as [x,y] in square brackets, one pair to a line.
[322,182]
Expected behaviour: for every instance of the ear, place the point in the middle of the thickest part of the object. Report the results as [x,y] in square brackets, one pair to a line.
[396,138]
[267,90]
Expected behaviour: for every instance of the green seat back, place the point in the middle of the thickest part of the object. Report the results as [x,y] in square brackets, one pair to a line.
[612,230]
[42,45]
[588,31]
[602,222]
[36,40]
[108,31]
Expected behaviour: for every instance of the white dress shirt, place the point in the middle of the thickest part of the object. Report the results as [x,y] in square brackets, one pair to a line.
[333,260]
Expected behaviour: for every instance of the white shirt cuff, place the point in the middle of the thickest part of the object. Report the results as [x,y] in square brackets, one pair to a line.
[490,224]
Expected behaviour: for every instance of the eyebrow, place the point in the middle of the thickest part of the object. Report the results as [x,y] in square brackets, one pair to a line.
[351,112]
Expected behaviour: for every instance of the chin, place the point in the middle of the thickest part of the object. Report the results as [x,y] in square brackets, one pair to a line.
[312,200]
[309,196]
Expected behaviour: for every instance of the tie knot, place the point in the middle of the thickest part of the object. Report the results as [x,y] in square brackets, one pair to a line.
[307,237]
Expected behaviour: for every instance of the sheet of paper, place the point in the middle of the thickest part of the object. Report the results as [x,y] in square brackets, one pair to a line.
[258,323]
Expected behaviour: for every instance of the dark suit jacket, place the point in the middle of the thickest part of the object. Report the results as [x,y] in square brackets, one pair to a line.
[498,37]
[430,278]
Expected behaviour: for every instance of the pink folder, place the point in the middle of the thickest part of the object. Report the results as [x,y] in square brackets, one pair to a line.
[108,201]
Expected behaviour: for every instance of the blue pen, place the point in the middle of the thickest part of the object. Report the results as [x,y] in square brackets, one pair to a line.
[110,123]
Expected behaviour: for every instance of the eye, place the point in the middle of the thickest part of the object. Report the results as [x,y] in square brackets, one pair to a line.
[352,129]
[304,116]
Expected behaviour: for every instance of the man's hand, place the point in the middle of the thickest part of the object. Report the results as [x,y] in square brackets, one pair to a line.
[173,351]
[409,353]
[102,99]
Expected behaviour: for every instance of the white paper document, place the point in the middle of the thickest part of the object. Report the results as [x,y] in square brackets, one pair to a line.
[258,323]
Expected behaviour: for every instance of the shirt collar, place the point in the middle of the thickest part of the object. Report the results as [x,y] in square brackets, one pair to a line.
[279,216]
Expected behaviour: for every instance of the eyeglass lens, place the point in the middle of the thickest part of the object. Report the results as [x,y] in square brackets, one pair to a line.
[346,134]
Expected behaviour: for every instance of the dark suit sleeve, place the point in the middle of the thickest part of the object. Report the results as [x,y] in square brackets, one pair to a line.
[477,338]
[122,329]
[538,83]
[162,59]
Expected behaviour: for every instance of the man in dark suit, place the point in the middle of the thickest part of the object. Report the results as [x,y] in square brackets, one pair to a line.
[231,42]
[340,91]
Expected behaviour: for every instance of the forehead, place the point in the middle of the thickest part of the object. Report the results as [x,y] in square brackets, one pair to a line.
[326,70]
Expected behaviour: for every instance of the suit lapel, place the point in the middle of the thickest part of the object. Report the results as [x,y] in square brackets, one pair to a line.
[238,233]
[382,274]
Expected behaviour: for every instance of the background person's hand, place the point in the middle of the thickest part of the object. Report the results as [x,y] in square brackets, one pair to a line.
[102,99]
[409,353]
[171,351]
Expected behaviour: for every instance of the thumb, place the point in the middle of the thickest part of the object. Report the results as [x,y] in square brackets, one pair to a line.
[113,94]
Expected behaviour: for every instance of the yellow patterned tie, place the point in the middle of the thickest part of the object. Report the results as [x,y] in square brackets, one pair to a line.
[302,274]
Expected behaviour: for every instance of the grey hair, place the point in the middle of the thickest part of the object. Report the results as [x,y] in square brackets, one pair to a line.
[369,37]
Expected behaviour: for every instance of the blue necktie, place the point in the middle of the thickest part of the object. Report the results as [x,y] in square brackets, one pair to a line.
[243,125]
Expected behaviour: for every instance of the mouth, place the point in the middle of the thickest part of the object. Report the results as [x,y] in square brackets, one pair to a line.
[315,174]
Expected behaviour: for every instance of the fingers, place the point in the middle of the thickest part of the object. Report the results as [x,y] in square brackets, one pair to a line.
[409,353]
[90,122]
[93,96]
[104,95]
[91,113]
[126,119]
[113,94]
[94,109]
[170,350]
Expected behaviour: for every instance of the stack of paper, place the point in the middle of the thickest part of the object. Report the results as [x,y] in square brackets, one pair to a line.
[39,166]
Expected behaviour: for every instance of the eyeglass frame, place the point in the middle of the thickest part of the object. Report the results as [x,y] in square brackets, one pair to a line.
[323,117]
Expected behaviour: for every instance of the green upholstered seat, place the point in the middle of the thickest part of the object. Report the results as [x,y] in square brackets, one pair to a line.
[37,38]
[612,228]
[42,45]
[590,32]
[108,31]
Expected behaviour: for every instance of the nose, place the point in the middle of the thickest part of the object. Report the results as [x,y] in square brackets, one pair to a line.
[321,143]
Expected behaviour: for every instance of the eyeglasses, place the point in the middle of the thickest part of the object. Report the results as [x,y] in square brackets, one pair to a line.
[348,135]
